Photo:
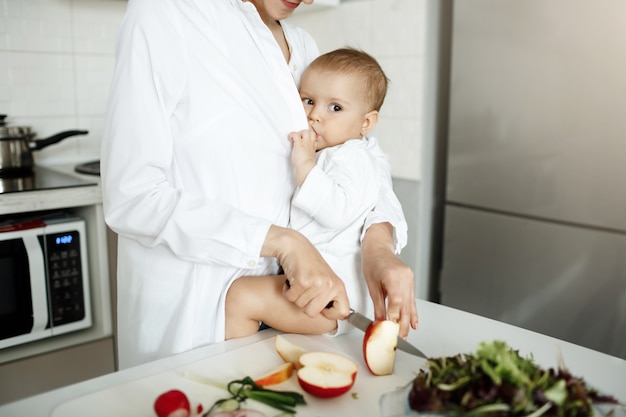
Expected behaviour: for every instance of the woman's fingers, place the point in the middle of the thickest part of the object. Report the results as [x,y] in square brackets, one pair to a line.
[310,283]
[325,295]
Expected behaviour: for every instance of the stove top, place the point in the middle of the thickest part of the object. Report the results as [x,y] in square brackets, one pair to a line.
[41,179]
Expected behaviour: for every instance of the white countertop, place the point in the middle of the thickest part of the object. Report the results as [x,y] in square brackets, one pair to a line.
[443,332]
[27,201]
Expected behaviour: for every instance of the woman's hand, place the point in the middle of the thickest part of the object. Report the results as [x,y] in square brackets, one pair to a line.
[312,284]
[388,278]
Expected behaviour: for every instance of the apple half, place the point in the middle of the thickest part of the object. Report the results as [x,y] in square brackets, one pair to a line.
[288,351]
[379,346]
[326,374]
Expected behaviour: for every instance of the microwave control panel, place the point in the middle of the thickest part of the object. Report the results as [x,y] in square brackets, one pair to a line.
[65,278]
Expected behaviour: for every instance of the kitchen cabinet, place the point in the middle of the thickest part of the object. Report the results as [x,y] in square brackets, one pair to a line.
[52,370]
[50,363]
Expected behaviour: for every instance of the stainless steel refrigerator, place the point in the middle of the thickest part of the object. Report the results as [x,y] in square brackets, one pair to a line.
[534,211]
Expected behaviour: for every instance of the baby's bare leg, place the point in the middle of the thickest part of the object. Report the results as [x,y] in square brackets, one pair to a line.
[260,298]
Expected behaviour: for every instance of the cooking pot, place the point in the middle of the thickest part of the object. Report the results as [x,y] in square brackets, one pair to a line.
[17,144]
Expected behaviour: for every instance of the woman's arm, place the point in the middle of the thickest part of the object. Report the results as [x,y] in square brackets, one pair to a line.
[161,184]
[384,235]
[388,278]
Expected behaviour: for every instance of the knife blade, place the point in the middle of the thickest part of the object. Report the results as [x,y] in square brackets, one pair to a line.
[361,322]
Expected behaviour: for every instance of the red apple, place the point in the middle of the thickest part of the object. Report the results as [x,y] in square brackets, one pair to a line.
[379,346]
[277,375]
[173,403]
[288,351]
[325,374]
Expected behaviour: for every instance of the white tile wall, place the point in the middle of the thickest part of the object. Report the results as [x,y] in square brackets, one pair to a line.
[56,62]
[57,57]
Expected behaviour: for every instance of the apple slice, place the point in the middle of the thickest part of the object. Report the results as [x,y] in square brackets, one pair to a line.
[288,351]
[326,374]
[173,403]
[277,375]
[379,346]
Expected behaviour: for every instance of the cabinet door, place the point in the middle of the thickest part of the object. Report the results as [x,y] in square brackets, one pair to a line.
[536,109]
[558,280]
[38,374]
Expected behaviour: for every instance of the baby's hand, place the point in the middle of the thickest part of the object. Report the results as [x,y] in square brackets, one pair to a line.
[303,153]
[303,149]
[306,135]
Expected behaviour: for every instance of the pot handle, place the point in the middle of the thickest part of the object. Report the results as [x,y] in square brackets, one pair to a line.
[42,143]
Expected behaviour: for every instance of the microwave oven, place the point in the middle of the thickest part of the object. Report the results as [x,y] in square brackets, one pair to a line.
[44,279]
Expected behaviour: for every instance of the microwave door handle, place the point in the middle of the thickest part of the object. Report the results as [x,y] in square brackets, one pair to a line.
[38,281]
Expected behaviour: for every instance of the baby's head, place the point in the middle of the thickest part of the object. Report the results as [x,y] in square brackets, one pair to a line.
[342,92]
[358,64]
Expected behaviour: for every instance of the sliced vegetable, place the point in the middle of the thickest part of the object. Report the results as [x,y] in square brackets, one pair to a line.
[173,403]
[242,389]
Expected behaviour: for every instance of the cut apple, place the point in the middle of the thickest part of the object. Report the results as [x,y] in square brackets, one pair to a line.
[277,375]
[288,351]
[379,346]
[326,374]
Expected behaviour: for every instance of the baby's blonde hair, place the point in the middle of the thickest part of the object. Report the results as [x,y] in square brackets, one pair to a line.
[354,61]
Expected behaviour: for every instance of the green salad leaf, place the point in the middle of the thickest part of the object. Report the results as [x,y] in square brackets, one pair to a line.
[496,381]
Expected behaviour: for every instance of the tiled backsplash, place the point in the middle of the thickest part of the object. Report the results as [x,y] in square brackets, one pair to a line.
[57,57]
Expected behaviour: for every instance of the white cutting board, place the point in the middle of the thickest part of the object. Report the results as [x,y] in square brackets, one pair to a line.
[135,398]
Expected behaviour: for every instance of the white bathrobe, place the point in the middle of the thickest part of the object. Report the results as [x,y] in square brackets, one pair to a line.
[196,164]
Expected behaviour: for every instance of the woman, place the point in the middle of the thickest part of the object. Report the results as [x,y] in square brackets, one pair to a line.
[197,179]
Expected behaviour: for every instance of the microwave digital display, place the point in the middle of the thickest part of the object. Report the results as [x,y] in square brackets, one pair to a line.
[63,239]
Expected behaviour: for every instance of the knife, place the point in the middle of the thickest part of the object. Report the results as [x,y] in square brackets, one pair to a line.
[359,321]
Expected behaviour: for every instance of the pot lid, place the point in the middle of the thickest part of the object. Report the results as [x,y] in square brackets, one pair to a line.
[13,132]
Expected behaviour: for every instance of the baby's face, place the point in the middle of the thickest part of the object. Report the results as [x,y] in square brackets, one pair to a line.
[335,106]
